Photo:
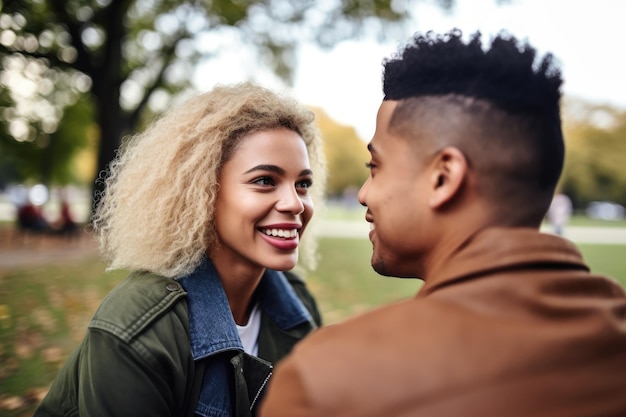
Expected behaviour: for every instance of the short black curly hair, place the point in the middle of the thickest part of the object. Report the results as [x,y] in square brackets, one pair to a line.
[502,93]
[505,74]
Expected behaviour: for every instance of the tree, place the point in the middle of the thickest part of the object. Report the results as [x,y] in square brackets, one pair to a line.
[595,138]
[48,157]
[123,55]
[346,155]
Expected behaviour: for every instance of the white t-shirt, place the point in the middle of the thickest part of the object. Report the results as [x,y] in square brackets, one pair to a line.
[249,333]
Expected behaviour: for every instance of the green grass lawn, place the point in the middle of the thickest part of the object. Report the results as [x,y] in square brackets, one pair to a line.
[44,310]
[357,213]
[609,260]
[345,283]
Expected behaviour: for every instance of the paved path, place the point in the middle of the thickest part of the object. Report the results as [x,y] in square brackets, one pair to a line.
[16,253]
[598,235]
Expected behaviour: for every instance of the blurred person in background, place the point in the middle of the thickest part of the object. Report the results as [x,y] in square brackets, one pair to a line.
[65,224]
[559,213]
[28,202]
[207,209]
[31,218]
[510,322]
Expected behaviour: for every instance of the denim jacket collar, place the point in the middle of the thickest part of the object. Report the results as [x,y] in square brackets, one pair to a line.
[211,323]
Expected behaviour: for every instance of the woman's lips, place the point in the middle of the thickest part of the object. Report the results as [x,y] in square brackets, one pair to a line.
[288,242]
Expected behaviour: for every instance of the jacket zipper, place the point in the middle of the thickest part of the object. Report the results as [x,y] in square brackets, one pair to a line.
[258,393]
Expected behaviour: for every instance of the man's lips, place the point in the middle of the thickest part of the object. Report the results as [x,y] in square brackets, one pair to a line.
[370,220]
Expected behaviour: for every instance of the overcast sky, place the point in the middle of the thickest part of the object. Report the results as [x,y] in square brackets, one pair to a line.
[585,35]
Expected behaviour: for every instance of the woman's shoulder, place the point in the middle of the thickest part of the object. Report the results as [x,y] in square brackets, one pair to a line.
[136,303]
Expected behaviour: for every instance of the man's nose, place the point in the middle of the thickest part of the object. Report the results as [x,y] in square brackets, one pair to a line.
[363,192]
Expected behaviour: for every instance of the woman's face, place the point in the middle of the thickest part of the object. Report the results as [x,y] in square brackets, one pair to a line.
[263,204]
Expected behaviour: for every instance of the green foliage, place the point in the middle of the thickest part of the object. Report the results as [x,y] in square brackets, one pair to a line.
[346,155]
[73,136]
[132,56]
[595,147]
[48,157]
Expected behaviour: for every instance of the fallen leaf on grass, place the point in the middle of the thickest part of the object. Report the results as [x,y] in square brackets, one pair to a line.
[52,354]
[44,318]
[24,350]
[14,402]
[35,395]
[8,368]
[11,402]
[5,316]
[27,343]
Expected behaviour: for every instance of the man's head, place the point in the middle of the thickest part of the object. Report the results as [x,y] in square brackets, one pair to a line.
[468,136]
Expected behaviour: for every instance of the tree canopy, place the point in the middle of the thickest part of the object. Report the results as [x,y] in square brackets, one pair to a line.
[595,138]
[346,155]
[114,61]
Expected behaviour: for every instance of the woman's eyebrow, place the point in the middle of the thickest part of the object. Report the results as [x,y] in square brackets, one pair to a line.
[266,167]
[276,169]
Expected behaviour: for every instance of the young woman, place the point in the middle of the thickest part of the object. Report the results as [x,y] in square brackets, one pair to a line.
[205,208]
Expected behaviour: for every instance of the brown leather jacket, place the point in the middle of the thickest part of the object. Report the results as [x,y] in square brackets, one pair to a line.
[512,325]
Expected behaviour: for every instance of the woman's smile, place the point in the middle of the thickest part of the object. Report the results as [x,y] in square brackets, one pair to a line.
[281,236]
[264,187]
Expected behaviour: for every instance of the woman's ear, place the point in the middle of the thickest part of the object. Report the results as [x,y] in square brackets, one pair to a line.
[448,174]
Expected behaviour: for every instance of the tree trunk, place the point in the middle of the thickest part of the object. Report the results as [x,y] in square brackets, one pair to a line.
[107,79]
[109,120]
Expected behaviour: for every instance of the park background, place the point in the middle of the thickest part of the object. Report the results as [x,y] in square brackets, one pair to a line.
[78,76]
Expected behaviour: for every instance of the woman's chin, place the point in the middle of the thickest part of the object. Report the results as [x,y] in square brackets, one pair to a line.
[285,265]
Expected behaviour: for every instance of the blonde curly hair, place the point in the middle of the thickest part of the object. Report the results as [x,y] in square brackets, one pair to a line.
[157,211]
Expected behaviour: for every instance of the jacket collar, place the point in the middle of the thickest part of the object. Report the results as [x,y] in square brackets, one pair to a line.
[280,302]
[211,324]
[502,248]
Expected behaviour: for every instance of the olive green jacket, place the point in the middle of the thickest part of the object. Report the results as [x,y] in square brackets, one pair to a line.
[138,348]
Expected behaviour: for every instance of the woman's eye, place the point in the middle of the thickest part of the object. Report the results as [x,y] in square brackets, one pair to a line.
[369,165]
[264,181]
[305,184]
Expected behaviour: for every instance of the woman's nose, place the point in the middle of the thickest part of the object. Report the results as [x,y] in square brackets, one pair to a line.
[290,201]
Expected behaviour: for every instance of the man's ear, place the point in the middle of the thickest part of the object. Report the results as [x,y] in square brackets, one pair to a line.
[449,171]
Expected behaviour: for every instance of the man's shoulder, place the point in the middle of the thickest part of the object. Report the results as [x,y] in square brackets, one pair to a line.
[324,369]
[136,303]
[386,325]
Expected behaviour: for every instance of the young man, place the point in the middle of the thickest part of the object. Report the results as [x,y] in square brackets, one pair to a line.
[510,322]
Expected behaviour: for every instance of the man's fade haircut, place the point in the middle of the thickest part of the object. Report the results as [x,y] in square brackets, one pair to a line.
[507,75]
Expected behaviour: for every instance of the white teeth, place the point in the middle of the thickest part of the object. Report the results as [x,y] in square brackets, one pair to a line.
[372,226]
[284,233]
